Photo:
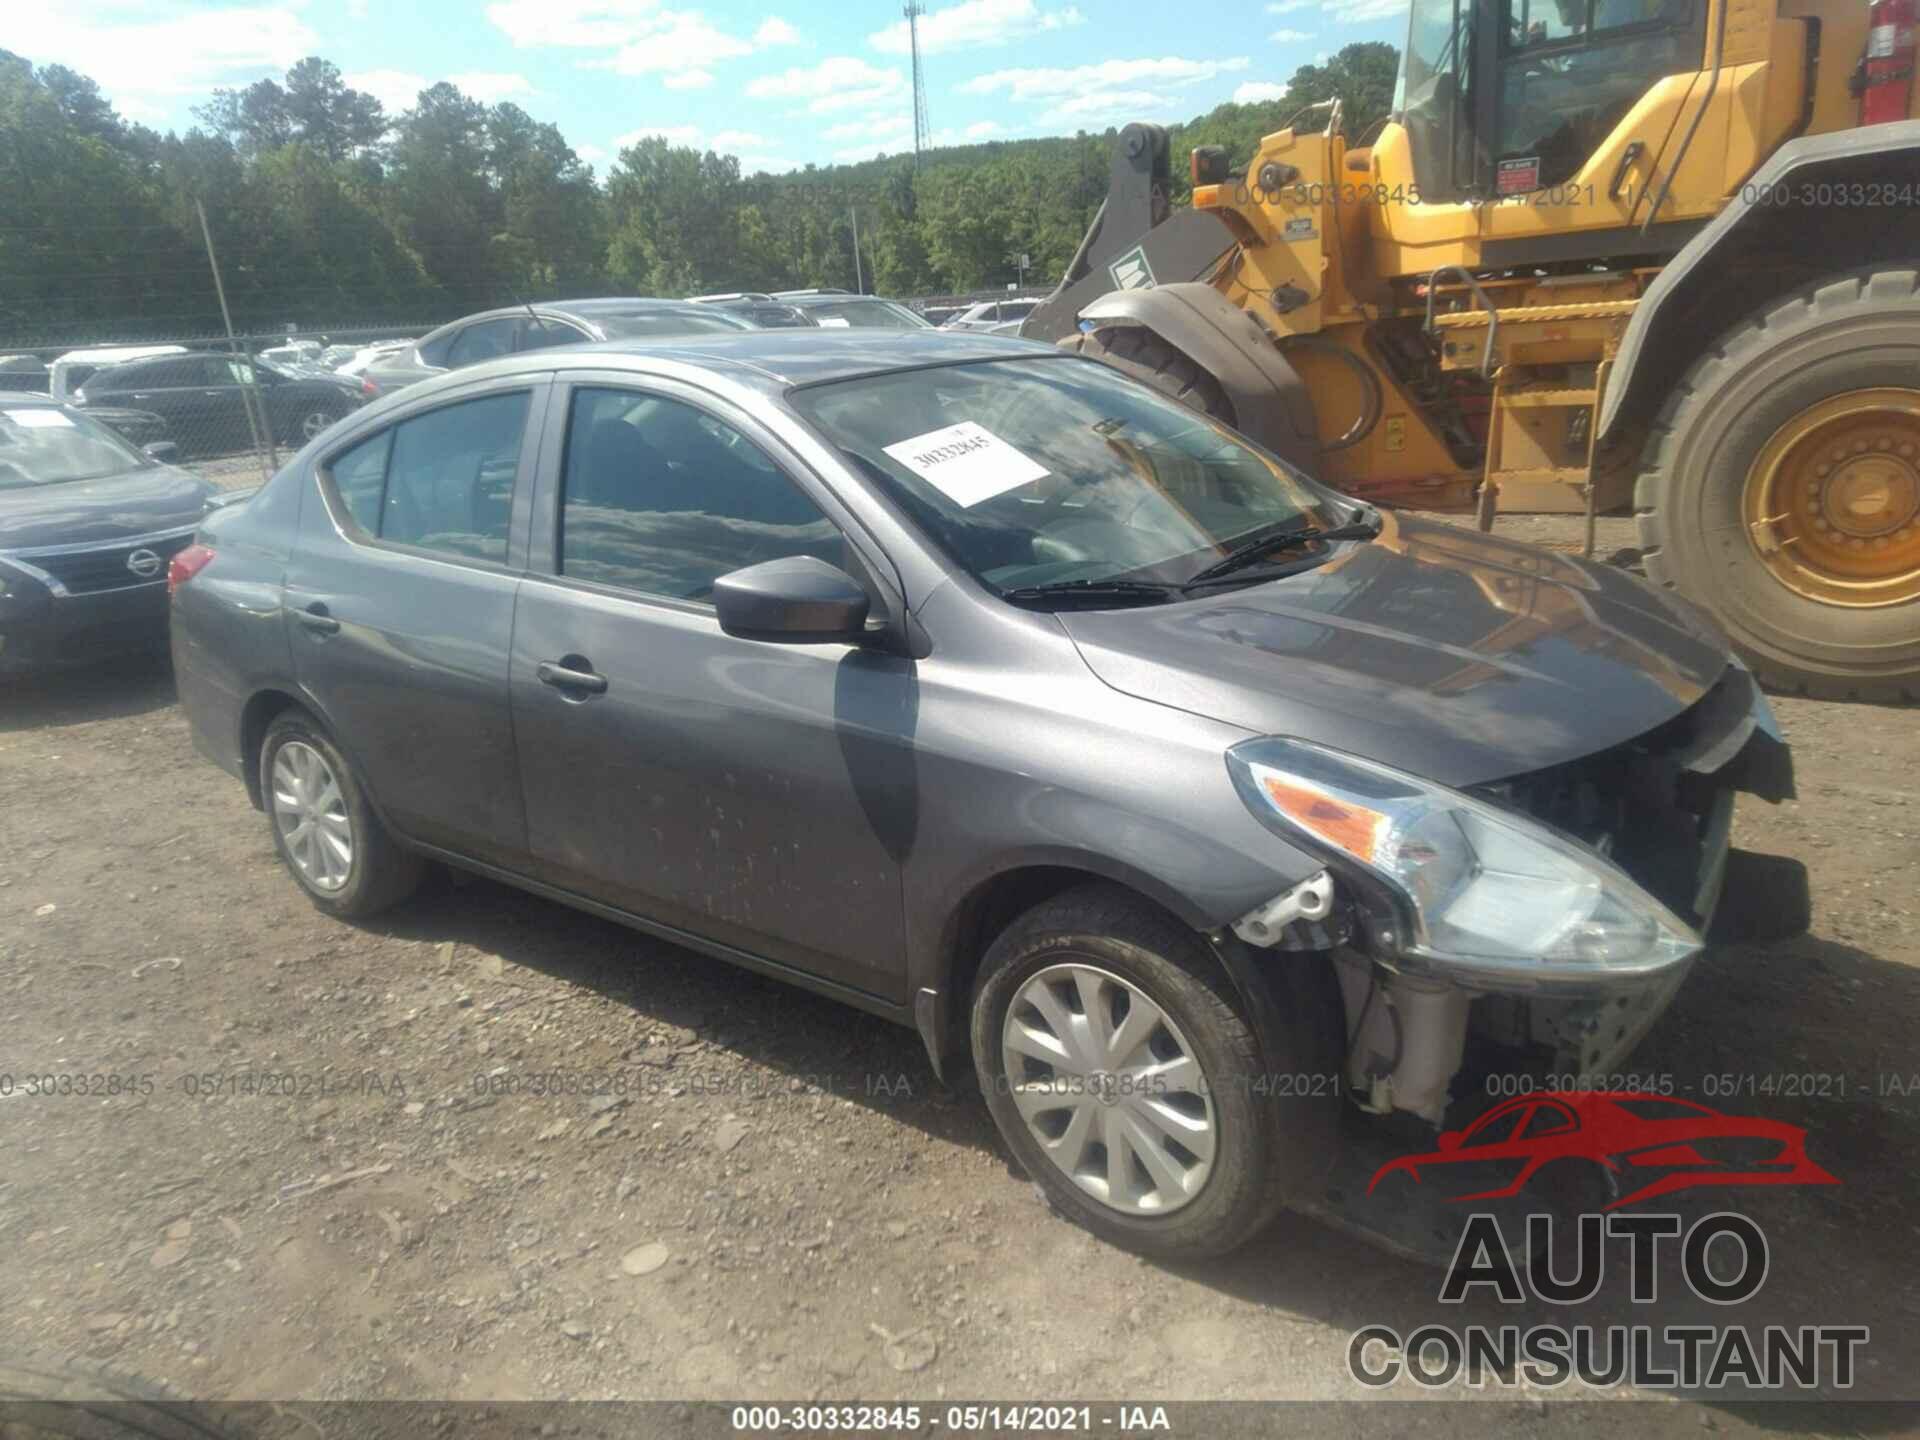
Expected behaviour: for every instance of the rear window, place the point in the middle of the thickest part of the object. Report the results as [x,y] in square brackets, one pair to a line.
[639,324]
[865,315]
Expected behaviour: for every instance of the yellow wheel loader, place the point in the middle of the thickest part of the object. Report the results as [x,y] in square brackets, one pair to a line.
[1604,253]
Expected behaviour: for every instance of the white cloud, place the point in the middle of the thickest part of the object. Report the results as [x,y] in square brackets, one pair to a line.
[775,31]
[1289,37]
[1288,7]
[1254,91]
[1084,80]
[672,134]
[840,83]
[974,23]
[1097,109]
[179,51]
[1355,12]
[734,141]
[490,87]
[395,89]
[590,154]
[641,38]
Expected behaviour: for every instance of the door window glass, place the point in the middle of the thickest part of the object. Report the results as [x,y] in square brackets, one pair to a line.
[661,497]
[1495,1131]
[545,334]
[1572,71]
[442,480]
[482,342]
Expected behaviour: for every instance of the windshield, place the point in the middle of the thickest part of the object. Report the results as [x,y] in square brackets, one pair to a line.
[866,315]
[1035,472]
[40,445]
[632,324]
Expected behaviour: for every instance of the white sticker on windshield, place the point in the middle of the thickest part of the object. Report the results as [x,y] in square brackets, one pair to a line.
[48,419]
[833,322]
[966,462]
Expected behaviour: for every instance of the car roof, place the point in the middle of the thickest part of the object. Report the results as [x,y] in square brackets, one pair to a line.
[802,299]
[772,360]
[115,354]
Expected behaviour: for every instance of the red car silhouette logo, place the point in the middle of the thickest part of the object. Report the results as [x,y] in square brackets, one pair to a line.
[1667,1143]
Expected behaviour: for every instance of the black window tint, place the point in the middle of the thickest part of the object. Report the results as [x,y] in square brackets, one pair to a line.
[1648,1107]
[154,375]
[1547,1119]
[482,342]
[359,478]
[544,334]
[1496,1131]
[662,497]
[449,482]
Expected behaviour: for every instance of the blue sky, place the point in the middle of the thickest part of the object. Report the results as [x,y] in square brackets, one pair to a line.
[777,82]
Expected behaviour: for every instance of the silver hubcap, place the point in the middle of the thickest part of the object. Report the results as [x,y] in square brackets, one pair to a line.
[314,424]
[312,816]
[1110,1089]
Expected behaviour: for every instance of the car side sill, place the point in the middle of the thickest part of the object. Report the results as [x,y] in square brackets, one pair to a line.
[745,959]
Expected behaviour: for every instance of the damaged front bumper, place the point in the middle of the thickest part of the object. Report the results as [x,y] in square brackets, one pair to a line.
[1659,807]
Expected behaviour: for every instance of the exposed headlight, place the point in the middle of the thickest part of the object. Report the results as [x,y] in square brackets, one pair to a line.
[1478,889]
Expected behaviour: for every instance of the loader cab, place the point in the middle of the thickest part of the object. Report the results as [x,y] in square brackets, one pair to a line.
[1507,97]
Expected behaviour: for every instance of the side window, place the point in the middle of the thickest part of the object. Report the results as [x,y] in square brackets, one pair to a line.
[1571,70]
[659,496]
[545,334]
[442,480]
[1547,1119]
[482,342]
[1497,1131]
[157,375]
[360,479]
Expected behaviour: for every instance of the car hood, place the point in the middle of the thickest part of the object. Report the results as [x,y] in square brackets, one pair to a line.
[138,502]
[1458,656]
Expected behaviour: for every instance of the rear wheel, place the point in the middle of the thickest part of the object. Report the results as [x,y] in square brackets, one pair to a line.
[1127,1078]
[1783,489]
[326,834]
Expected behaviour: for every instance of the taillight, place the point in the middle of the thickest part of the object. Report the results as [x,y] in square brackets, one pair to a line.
[368,388]
[187,564]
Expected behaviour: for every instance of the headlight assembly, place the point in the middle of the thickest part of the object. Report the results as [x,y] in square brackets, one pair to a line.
[1478,889]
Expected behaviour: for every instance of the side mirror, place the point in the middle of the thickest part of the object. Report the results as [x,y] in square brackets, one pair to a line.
[1449,1139]
[796,601]
[164,451]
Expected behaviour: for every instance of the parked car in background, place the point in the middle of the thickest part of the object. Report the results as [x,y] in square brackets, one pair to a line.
[294,354]
[989,314]
[26,373]
[88,524]
[73,369]
[514,329]
[990,690]
[758,307]
[142,428]
[838,310]
[203,397]
[357,363]
[938,315]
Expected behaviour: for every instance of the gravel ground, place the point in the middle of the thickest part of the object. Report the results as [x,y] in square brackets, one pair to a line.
[782,1203]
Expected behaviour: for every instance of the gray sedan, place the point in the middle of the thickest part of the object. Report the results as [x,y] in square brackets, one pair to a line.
[517,329]
[1180,799]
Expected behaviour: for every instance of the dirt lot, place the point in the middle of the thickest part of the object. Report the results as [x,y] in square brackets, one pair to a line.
[808,1213]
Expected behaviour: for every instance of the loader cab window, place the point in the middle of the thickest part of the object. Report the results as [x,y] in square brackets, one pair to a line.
[1434,98]
[1571,70]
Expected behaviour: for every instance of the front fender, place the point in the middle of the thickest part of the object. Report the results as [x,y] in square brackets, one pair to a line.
[1774,213]
[1271,403]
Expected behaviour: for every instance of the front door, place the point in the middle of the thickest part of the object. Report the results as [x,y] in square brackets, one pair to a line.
[756,794]
[400,600]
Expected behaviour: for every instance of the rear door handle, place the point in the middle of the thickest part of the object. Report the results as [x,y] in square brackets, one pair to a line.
[316,619]
[564,678]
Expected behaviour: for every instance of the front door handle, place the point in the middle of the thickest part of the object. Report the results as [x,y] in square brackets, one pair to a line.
[567,677]
[316,619]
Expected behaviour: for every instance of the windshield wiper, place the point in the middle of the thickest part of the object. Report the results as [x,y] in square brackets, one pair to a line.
[1108,592]
[1254,551]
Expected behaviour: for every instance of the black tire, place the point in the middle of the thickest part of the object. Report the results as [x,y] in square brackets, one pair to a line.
[1852,332]
[382,872]
[85,1400]
[1265,1144]
[1135,350]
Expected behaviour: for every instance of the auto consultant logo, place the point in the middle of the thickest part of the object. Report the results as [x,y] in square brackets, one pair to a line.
[1643,1145]
[145,563]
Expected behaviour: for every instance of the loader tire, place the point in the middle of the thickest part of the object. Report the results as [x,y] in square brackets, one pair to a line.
[76,1399]
[1136,351]
[1796,435]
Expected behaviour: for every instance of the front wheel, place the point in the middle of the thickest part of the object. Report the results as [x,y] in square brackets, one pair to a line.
[1126,1077]
[1783,489]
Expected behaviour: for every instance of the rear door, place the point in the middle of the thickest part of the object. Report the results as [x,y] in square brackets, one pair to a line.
[401,593]
[755,794]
